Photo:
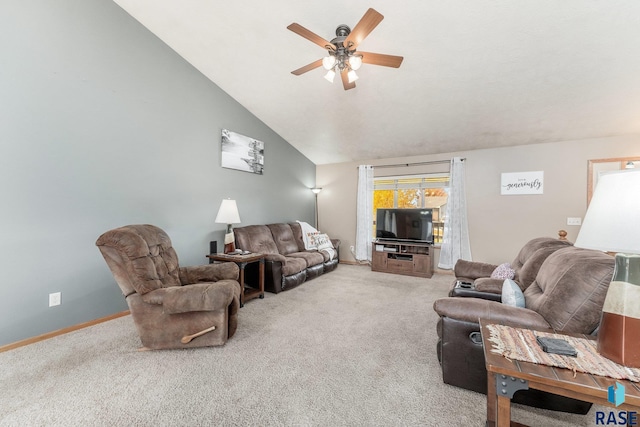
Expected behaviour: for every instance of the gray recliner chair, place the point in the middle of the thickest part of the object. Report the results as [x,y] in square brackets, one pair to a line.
[171,306]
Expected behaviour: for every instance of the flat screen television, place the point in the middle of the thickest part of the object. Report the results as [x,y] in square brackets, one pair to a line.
[414,225]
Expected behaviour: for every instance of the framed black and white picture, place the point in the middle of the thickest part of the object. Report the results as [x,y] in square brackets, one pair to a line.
[242,152]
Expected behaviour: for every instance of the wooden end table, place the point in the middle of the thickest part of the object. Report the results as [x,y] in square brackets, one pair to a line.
[505,377]
[242,261]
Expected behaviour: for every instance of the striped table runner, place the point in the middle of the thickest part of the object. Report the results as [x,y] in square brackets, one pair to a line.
[520,344]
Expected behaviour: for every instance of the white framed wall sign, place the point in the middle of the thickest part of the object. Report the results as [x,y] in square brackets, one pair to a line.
[514,183]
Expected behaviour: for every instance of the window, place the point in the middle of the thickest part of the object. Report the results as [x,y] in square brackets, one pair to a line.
[414,191]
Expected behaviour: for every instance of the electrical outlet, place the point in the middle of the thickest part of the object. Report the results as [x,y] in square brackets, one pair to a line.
[574,221]
[55,299]
[353,248]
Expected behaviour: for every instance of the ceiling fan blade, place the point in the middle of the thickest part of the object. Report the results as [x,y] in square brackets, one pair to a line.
[308,67]
[311,36]
[381,59]
[369,21]
[345,80]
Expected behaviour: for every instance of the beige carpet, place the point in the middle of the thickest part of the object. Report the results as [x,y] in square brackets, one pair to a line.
[350,348]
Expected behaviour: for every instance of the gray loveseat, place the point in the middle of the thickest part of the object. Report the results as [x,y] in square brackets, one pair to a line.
[525,265]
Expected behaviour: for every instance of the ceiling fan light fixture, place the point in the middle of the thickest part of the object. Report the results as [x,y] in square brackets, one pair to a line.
[342,56]
[328,62]
[355,62]
[330,75]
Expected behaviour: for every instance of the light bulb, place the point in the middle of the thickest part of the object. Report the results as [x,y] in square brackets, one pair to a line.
[330,75]
[352,76]
[355,62]
[328,62]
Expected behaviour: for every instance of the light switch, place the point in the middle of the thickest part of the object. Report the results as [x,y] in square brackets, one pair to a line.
[574,221]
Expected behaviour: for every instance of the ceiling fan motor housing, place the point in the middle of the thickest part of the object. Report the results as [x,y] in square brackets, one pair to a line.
[343,31]
[341,52]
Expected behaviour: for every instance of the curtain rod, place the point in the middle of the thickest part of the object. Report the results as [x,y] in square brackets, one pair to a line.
[434,162]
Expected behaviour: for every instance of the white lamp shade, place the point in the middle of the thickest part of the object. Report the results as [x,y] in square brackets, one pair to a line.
[355,62]
[352,76]
[228,212]
[328,62]
[612,222]
[330,75]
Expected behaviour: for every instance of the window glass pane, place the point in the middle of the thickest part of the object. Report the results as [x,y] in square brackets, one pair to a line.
[409,198]
[436,198]
[381,199]
[417,191]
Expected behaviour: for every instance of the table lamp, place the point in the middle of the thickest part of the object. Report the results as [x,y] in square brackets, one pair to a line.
[228,214]
[612,224]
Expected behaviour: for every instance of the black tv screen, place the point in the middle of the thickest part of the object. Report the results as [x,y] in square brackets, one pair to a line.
[414,225]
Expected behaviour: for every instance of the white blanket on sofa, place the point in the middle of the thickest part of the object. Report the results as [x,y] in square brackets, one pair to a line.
[308,232]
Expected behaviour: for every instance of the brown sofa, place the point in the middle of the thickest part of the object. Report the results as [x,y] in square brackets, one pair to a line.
[287,262]
[567,294]
[171,306]
[473,279]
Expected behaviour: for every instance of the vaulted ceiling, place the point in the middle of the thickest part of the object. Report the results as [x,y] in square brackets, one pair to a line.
[476,74]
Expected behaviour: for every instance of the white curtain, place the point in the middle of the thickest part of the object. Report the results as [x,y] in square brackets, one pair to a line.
[455,243]
[364,213]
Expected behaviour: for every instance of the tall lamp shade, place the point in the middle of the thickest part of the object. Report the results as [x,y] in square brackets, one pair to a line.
[228,214]
[612,224]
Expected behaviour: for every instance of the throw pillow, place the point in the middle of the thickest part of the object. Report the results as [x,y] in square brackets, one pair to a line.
[503,271]
[512,294]
[310,241]
[323,242]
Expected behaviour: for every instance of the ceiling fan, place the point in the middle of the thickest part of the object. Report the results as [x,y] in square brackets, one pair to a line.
[343,57]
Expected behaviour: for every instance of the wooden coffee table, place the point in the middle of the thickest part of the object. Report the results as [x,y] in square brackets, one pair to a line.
[505,377]
[242,261]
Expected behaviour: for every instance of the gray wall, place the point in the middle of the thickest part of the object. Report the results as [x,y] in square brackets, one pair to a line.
[103,125]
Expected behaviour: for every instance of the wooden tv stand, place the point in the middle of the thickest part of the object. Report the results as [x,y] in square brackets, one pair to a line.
[410,259]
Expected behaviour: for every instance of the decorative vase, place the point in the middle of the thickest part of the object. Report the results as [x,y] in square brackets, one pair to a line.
[619,334]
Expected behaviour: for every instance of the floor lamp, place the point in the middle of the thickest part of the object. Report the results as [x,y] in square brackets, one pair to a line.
[316,190]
